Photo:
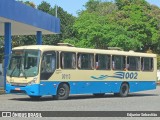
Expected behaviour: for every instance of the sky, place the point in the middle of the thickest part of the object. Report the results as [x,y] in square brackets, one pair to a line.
[73,6]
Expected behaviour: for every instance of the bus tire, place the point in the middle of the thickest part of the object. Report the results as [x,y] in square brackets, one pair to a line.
[35,97]
[99,94]
[62,92]
[124,90]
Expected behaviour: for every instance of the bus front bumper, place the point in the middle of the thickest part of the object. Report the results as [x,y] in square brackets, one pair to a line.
[31,90]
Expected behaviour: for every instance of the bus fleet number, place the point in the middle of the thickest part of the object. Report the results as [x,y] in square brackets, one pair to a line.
[131,75]
[66,76]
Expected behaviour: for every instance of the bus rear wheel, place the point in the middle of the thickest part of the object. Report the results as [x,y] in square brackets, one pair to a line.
[62,92]
[124,90]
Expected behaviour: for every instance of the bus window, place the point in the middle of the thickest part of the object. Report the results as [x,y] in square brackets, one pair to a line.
[48,65]
[85,61]
[102,62]
[68,60]
[118,62]
[147,64]
[133,63]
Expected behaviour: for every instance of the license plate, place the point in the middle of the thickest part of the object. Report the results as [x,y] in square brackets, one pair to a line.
[17,89]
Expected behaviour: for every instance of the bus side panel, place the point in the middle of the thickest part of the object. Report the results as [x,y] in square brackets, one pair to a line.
[109,87]
[48,88]
[142,85]
[84,87]
[90,87]
[94,87]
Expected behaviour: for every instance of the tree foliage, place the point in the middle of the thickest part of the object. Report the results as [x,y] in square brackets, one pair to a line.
[129,24]
[66,24]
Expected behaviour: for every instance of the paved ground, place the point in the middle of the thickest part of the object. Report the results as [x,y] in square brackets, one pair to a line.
[142,101]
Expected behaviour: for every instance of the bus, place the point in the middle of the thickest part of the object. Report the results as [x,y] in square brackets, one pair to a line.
[60,71]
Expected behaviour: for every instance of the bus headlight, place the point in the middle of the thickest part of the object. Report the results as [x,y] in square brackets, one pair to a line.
[33,81]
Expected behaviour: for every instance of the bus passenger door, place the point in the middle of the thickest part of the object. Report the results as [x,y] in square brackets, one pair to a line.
[48,67]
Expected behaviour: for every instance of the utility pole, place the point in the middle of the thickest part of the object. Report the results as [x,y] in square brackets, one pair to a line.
[56,11]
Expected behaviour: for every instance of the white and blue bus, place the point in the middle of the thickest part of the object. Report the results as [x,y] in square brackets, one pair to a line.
[42,70]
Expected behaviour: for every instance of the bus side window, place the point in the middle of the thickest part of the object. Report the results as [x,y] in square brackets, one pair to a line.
[102,62]
[79,61]
[68,60]
[85,61]
[133,63]
[113,63]
[127,64]
[118,62]
[92,61]
[97,62]
[74,61]
[146,64]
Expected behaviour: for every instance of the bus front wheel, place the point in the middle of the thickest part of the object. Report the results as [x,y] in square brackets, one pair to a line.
[62,92]
[124,90]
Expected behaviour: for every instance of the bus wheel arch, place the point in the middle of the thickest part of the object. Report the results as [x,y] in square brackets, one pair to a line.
[63,91]
[124,89]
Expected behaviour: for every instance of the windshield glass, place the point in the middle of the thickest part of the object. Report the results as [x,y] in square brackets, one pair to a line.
[24,63]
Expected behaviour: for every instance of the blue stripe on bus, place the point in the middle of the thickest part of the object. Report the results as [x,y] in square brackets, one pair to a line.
[83,87]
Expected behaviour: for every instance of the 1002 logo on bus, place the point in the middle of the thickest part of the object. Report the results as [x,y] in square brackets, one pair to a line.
[130,75]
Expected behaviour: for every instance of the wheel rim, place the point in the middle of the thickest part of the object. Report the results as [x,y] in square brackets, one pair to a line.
[62,92]
[124,89]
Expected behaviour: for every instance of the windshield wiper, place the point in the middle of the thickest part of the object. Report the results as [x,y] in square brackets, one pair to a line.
[22,69]
[25,74]
[13,70]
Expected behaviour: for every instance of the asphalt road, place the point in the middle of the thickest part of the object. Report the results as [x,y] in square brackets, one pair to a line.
[141,101]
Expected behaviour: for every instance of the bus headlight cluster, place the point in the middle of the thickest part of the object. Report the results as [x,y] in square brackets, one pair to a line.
[33,81]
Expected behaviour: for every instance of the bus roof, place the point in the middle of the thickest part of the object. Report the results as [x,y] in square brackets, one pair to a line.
[84,50]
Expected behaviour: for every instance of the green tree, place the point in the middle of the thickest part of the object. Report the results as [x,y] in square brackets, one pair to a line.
[28,3]
[45,7]
[66,23]
[129,24]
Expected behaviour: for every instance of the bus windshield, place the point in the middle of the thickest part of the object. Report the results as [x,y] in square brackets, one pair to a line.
[24,63]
